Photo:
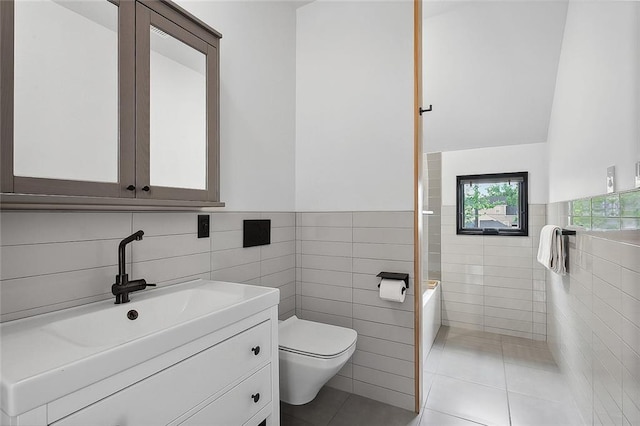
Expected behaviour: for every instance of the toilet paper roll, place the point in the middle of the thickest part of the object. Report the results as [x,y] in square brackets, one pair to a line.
[392,290]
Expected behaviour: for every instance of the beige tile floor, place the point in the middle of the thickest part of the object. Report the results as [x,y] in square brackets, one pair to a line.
[470,378]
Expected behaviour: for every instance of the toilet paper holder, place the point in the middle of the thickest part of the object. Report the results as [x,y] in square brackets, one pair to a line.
[395,276]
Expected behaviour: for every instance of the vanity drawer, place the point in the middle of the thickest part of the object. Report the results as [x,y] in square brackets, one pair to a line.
[237,405]
[168,394]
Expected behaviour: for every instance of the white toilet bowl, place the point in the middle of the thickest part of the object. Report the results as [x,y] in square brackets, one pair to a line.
[311,353]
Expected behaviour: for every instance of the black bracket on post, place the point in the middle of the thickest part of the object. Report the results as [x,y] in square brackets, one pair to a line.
[395,276]
[422,110]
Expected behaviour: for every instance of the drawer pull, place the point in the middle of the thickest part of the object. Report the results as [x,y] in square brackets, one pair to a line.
[256,350]
[256,397]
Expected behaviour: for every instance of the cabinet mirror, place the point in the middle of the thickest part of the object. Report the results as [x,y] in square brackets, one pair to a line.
[178,112]
[177,83]
[66,90]
[108,100]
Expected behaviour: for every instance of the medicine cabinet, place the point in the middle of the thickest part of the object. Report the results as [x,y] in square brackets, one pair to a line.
[108,103]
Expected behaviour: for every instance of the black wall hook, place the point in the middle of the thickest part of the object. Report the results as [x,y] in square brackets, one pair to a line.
[426,110]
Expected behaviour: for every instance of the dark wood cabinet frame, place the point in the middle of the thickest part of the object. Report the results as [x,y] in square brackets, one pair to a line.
[6,96]
[134,20]
[145,18]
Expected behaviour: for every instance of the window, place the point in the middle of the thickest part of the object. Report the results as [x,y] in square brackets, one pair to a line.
[492,204]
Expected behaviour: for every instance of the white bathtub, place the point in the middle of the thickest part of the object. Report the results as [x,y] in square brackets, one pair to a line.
[431,318]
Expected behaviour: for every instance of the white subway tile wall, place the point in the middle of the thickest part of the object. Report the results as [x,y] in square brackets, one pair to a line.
[493,283]
[271,265]
[338,258]
[325,269]
[594,324]
[54,260]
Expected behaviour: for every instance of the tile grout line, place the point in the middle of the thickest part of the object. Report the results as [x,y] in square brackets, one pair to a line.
[506,386]
[341,407]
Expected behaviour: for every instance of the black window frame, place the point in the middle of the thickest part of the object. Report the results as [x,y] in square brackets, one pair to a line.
[523,204]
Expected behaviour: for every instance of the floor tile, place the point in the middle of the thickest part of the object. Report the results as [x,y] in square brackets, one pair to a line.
[470,343]
[483,368]
[529,356]
[479,403]
[538,383]
[465,382]
[527,410]
[287,420]
[321,410]
[358,410]
[433,360]
[427,381]
[441,337]
[454,333]
[434,418]
[514,340]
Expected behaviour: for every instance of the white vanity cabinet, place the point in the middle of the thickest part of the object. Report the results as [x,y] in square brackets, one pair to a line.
[206,376]
[227,377]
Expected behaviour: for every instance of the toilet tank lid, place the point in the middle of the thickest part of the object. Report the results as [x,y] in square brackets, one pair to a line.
[314,337]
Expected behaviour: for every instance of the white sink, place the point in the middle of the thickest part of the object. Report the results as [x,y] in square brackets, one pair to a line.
[110,325]
[48,356]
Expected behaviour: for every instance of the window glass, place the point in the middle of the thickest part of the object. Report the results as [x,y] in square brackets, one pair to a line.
[492,204]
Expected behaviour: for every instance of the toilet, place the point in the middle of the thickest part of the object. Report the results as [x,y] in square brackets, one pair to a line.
[311,353]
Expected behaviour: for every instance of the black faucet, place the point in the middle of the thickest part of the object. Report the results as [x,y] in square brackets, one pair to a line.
[123,286]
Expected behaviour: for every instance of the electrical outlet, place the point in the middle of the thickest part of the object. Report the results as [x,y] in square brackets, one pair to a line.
[611,179]
[203,226]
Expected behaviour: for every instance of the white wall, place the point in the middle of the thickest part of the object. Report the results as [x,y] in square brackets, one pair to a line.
[489,71]
[257,101]
[594,121]
[516,158]
[477,294]
[354,100]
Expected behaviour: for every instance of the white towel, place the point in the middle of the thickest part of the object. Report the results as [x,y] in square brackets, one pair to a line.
[551,252]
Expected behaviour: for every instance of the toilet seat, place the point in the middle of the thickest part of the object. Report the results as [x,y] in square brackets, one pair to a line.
[315,339]
[312,355]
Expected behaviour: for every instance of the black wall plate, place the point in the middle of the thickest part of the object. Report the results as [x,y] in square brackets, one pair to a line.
[203,226]
[257,232]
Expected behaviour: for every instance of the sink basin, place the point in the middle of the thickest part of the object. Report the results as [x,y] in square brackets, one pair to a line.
[110,325]
[48,356]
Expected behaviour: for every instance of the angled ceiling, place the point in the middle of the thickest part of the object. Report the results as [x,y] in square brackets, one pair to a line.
[489,71]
